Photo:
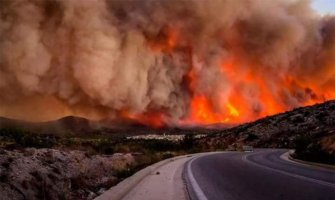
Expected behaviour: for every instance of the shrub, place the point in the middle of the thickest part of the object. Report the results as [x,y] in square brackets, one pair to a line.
[251,137]
[307,149]
[104,146]
[27,139]
[167,155]
[188,141]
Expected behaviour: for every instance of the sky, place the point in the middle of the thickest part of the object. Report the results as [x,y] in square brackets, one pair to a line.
[324,6]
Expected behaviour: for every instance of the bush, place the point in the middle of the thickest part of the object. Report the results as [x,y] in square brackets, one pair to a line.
[27,139]
[104,146]
[251,137]
[125,173]
[167,155]
[188,141]
[308,150]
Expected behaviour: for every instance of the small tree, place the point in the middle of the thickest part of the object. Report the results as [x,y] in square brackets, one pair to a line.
[188,141]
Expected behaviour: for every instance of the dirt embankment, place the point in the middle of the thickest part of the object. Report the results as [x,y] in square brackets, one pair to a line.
[53,174]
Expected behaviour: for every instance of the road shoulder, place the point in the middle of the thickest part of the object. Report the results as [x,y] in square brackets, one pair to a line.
[162,180]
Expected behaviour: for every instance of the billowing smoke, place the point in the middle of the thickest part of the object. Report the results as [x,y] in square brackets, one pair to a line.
[176,61]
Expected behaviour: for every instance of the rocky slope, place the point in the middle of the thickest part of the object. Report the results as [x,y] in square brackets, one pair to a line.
[53,174]
[314,124]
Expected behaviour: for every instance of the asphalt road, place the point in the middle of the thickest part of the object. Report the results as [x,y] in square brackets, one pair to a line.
[259,175]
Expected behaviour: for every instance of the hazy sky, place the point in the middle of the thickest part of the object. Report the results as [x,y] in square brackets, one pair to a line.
[324,6]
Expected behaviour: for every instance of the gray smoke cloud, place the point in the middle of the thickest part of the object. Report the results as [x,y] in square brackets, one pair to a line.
[136,55]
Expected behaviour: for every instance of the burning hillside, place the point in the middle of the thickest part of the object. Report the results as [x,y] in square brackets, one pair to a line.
[163,61]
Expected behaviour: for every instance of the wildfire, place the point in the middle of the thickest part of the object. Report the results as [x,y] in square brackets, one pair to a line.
[202,111]
[166,40]
[235,105]
[232,110]
[162,63]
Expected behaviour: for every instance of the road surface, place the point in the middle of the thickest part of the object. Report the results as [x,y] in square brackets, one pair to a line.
[259,175]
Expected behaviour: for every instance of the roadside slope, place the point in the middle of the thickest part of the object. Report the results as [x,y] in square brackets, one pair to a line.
[306,129]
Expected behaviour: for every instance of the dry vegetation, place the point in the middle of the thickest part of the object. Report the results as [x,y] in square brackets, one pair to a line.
[81,166]
[309,130]
[46,166]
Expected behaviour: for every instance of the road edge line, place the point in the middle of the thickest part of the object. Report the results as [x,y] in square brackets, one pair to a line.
[287,156]
[245,158]
[197,191]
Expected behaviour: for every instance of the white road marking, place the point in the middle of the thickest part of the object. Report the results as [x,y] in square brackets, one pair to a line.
[245,158]
[284,157]
[196,188]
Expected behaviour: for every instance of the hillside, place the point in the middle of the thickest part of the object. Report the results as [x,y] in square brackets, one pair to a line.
[33,163]
[306,128]
[62,126]
[77,126]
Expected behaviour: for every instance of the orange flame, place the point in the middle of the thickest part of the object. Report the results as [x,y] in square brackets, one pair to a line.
[166,40]
[236,105]
[154,119]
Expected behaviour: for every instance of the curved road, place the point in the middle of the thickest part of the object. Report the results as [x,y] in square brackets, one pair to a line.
[260,175]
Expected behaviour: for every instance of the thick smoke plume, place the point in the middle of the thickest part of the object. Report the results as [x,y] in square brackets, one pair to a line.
[163,61]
